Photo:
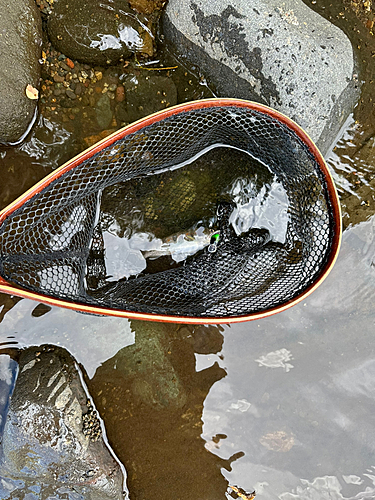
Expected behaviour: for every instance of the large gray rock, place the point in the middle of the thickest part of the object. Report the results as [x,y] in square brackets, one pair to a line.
[278,53]
[20,48]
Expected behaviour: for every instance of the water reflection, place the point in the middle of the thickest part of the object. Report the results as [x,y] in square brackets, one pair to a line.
[149,393]
[307,430]
[49,143]
[90,339]
[152,399]
[7,302]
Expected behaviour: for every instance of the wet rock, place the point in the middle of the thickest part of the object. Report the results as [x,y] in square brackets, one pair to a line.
[120,93]
[58,78]
[70,94]
[280,54]
[52,442]
[146,94]
[20,48]
[96,31]
[8,375]
[103,112]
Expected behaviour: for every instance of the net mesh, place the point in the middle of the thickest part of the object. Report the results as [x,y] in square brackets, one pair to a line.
[53,244]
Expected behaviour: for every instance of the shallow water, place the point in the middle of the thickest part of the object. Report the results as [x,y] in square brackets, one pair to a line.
[283,405]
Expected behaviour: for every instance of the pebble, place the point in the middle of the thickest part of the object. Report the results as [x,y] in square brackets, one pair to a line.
[78,89]
[65,103]
[64,66]
[58,78]
[70,94]
[120,93]
[70,63]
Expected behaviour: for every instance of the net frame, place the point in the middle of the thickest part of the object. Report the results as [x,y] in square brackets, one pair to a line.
[10,289]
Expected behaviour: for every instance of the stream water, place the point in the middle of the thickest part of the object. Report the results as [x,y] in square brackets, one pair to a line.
[283,406]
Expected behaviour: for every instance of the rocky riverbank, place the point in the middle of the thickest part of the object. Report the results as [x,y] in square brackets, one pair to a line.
[46,75]
[100,99]
[100,78]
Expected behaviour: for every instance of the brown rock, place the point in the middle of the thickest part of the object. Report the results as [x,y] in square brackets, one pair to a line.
[59,79]
[78,89]
[64,66]
[120,93]
[70,94]
[69,62]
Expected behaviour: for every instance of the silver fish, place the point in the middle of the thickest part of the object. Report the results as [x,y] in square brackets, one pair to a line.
[181,245]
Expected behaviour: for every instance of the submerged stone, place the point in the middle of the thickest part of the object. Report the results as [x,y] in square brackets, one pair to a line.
[96,32]
[146,95]
[52,441]
[103,112]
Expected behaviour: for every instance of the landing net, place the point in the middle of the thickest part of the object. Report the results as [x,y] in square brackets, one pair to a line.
[52,244]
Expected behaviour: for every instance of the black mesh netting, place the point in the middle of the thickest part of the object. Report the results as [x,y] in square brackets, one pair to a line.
[54,245]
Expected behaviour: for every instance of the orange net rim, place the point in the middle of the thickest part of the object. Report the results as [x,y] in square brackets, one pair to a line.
[9,289]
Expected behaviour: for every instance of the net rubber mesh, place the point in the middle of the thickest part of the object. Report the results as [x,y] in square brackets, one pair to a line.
[53,244]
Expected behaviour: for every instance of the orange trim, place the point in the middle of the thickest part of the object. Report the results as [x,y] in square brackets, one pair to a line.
[198,320]
[134,127]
